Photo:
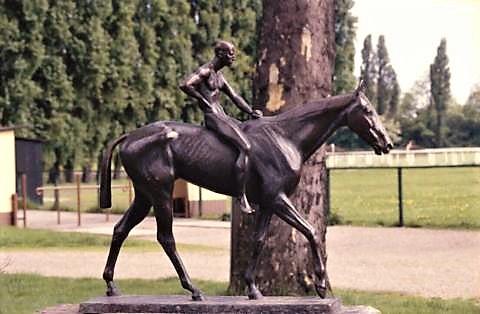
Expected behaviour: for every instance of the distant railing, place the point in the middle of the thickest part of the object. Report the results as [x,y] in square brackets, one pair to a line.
[398,159]
[79,187]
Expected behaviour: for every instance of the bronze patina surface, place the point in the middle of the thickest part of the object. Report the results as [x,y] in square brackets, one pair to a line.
[156,154]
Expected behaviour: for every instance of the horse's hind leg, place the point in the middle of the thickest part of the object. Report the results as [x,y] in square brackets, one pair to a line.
[133,216]
[164,217]
[262,221]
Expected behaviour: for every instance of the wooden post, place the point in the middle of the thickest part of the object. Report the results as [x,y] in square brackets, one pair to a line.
[24,199]
[327,208]
[107,211]
[56,202]
[130,194]
[200,202]
[400,197]
[14,209]
[79,217]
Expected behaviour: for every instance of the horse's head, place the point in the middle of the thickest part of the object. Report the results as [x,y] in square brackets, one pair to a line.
[363,119]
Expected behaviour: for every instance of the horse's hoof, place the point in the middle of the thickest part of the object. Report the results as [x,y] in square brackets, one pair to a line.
[198,297]
[321,291]
[255,294]
[112,290]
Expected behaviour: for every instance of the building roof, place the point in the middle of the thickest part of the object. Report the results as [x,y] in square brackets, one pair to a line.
[7,128]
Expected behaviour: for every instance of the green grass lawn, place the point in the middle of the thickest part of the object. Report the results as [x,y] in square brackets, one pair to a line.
[26,293]
[439,198]
[12,238]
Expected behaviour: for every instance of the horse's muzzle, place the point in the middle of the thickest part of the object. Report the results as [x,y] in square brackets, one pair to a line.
[387,148]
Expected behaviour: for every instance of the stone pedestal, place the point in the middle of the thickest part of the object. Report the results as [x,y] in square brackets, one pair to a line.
[218,304]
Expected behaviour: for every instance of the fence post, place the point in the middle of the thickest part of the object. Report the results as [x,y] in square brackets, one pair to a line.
[400,197]
[14,209]
[200,202]
[24,199]
[327,209]
[56,202]
[130,195]
[79,218]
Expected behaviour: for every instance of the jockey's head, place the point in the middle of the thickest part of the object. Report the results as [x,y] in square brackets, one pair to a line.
[225,52]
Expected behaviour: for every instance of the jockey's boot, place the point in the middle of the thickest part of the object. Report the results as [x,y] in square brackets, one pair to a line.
[244,205]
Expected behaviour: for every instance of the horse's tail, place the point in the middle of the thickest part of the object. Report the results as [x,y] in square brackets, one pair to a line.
[105,173]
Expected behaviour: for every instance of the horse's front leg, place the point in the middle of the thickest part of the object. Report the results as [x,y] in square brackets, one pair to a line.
[262,221]
[288,213]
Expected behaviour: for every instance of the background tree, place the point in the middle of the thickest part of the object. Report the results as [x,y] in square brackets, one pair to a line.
[344,79]
[345,32]
[383,72]
[463,122]
[414,115]
[235,21]
[368,72]
[296,62]
[440,90]
[90,65]
[394,99]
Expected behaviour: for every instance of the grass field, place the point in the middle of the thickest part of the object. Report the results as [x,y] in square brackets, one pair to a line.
[26,293]
[28,239]
[441,197]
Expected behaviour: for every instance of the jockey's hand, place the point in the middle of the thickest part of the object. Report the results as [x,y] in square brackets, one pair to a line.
[257,114]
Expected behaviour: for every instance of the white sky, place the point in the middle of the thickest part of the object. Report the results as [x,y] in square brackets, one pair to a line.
[413,30]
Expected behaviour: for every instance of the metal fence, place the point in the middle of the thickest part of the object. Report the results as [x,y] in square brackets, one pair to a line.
[400,160]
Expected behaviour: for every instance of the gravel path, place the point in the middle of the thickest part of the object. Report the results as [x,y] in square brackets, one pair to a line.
[431,263]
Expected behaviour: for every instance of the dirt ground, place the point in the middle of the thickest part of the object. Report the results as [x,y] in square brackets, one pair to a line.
[431,263]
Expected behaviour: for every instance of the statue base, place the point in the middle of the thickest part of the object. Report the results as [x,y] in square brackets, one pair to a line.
[218,304]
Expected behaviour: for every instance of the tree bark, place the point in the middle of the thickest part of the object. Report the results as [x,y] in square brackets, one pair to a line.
[87,173]
[296,62]
[68,171]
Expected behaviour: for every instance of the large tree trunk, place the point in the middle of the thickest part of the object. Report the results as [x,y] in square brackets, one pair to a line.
[296,62]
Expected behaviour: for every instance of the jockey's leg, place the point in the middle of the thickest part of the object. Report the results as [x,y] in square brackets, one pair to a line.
[231,132]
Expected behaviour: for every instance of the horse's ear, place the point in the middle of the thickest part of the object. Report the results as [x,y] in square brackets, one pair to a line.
[362,86]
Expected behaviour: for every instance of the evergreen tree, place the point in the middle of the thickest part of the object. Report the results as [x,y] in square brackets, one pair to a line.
[90,66]
[382,63]
[168,52]
[368,72]
[82,72]
[394,101]
[22,52]
[440,90]
[54,109]
[345,32]
[234,21]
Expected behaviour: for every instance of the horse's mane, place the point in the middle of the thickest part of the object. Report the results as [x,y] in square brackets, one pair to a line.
[320,105]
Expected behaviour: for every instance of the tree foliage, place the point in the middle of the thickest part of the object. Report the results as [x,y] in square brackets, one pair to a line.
[367,69]
[345,33]
[79,73]
[440,90]
[382,90]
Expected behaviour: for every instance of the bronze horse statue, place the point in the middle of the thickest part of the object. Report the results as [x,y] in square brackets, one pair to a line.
[158,153]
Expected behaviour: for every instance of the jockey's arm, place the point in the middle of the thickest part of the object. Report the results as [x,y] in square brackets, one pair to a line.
[190,83]
[238,100]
